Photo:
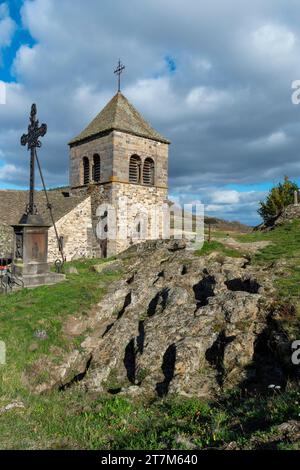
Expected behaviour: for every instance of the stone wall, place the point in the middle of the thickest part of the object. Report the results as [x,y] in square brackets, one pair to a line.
[6,240]
[115,151]
[126,145]
[103,147]
[139,199]
[76,230]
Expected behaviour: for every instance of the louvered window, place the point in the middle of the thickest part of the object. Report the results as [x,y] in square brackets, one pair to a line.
[135,169]
[97,168]
[148,172]
[86,170]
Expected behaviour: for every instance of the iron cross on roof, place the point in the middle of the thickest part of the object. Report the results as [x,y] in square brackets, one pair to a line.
[119,71]
[32,141]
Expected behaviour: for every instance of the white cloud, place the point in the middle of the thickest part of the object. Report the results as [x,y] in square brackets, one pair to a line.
[7,26]
[226,197]
[207,98]
[226,109]
[155,96]
[224,203]
[214,208]
[273,40]
[25,60]
[275,140]
[11,173]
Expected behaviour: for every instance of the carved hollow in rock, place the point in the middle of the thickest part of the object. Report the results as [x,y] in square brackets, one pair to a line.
[108,328]
[130,279]
[160,299]
[184,270]
[78,377]
[127,302]
[203,290]
[243,285]
[168,368]
[140,340]
[160,275]
[215,355]
[114,391]
[130,361]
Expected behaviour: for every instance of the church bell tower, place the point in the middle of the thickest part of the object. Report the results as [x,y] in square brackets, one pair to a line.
[120,155]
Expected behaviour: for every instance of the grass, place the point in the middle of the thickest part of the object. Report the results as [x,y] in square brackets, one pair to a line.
[27,311]
[285,242]
[215,246]
[284,248]
[116,422]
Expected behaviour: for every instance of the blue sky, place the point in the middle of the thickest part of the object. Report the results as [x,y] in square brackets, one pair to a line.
[21,36]
[214,77]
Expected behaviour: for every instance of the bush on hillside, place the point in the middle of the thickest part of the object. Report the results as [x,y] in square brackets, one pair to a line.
[278,198]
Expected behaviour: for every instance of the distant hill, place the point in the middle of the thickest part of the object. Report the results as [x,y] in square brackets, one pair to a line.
[231,226]
[219,224]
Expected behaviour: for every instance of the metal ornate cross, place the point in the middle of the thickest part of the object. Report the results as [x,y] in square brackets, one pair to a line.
[119,71]
[32,141]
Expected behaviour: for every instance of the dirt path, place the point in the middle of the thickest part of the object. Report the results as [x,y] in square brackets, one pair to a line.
[243,247]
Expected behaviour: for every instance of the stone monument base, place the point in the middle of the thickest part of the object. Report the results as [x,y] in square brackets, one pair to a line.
[30,253]
[35,280]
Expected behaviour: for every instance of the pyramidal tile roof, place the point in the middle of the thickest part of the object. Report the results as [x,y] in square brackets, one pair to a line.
[119,114]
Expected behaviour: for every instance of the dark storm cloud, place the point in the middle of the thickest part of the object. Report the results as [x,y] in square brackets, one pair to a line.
[214,77]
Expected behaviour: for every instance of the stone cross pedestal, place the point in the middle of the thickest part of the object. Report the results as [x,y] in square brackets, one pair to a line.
[30,255]
[31,233]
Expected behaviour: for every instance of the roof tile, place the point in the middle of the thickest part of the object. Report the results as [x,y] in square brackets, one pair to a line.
[119,114]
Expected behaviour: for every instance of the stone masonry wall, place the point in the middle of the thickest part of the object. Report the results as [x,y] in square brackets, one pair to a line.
[76,229]
[125,145]
[103,147]
[99,195]
[115,151]
[141,203]
[139,199]
[6,240]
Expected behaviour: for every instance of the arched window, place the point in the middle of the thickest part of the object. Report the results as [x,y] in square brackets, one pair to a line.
[135,169]
[96,168]
[86,170]
[148,172]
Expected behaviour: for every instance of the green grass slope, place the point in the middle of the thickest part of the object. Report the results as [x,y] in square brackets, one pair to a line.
[73,419]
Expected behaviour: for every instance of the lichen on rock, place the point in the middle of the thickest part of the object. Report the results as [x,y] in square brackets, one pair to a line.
[174,323]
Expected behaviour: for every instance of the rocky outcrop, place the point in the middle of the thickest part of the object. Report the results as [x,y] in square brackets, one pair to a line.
[175,323]
[290,213]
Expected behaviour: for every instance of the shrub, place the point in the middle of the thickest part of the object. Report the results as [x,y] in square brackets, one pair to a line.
[278,198]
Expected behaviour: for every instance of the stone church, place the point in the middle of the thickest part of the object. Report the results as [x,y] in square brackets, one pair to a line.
[118,157]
